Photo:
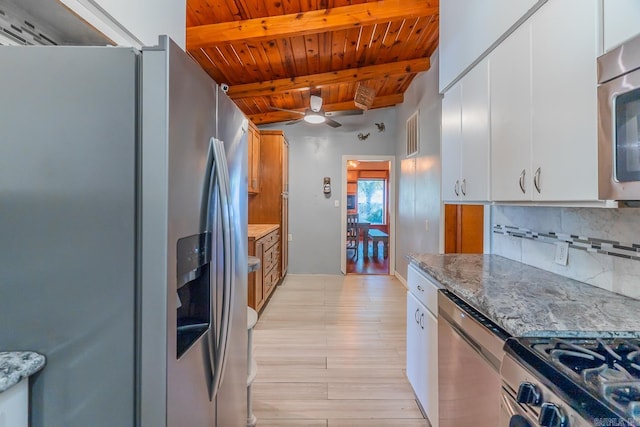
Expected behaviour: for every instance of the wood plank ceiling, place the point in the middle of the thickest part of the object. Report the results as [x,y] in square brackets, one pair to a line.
[277,53]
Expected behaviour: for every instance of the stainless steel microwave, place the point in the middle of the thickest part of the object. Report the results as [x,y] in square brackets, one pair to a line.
[619,122]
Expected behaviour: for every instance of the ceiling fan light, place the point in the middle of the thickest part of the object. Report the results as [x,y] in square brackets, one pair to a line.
[314,118]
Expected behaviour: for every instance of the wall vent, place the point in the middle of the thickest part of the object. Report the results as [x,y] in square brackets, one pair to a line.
[412,135]
[17,28]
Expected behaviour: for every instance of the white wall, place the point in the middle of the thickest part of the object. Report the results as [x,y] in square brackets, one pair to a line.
[315,151]
[419,182]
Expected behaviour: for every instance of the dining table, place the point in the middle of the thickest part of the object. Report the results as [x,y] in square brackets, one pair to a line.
[364,227]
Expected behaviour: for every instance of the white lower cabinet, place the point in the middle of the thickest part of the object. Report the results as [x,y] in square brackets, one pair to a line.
[422,355]
[14,405]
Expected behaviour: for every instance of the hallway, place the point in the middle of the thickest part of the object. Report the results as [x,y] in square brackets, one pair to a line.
[331,352]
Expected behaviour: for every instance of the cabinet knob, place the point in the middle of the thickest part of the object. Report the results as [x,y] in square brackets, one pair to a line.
[529,394]
[551,416]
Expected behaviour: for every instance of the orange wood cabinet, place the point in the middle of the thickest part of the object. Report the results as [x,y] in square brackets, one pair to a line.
[254,159]
[264,243]
[271,204]
[464,229]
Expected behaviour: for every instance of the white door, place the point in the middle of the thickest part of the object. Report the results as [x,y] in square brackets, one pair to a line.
[510,86]
[451,140]
[474,176]
[564,103]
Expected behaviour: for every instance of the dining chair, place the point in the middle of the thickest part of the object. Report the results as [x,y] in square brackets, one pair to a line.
[352,234]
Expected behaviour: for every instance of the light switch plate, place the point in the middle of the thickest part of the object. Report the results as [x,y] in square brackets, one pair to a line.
[336,203]
[562,253]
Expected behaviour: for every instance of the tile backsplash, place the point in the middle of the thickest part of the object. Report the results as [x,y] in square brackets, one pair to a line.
[604,243]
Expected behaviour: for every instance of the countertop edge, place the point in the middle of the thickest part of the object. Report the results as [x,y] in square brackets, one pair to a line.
[16,365]
[261,230]
[468,277]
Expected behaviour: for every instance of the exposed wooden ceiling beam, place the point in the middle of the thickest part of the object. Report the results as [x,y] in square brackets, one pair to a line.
[323,79]
[283,116]
[303,23]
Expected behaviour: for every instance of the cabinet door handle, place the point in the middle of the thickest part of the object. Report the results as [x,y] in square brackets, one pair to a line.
[463,187]
[521,181]
[455,188]
[422,320]
[536,180]
[415,316]
[420,288]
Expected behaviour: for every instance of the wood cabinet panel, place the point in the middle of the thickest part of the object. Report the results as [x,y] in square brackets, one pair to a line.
[271,204]
[254,159]
[464,229]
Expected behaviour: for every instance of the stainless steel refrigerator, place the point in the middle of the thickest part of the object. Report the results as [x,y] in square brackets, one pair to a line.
[123,237]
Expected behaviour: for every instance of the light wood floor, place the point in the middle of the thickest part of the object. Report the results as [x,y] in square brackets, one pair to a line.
[331,352]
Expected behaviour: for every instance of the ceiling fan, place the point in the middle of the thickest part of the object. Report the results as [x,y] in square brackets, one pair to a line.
[316,115]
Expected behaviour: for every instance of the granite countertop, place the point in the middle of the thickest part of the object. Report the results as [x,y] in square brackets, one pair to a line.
[15,365]
[256,231]
[527,301]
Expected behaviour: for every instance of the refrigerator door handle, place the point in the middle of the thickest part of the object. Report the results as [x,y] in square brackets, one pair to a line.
[222,175]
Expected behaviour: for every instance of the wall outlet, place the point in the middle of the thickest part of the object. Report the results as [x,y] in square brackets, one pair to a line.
[562,253]
[289,237]
[336,203]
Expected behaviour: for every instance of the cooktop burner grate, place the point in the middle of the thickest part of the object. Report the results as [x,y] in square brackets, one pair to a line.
[609,368]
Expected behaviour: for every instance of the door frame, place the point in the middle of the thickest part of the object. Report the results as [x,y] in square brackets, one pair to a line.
[391,208]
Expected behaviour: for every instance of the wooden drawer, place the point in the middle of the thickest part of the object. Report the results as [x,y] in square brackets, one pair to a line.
[270,239]
[271,257]
[270,280]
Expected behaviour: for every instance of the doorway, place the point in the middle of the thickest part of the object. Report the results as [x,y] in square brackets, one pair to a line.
[368,217]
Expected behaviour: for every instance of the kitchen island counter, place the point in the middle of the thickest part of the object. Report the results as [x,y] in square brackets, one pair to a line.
[16,365]
[528,301]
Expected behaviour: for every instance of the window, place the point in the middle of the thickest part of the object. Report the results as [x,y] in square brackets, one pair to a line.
[372,200]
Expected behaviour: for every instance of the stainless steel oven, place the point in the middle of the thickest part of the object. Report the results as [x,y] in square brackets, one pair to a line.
[619,122]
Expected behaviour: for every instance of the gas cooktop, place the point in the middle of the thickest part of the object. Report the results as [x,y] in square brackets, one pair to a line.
[599,377]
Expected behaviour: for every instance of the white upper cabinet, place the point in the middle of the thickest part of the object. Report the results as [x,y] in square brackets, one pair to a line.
[621,18]
[468,28]
[543,107]
[474,184]
[510,87]
[564,103]
[465,138]
[133,23]
[451,138]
